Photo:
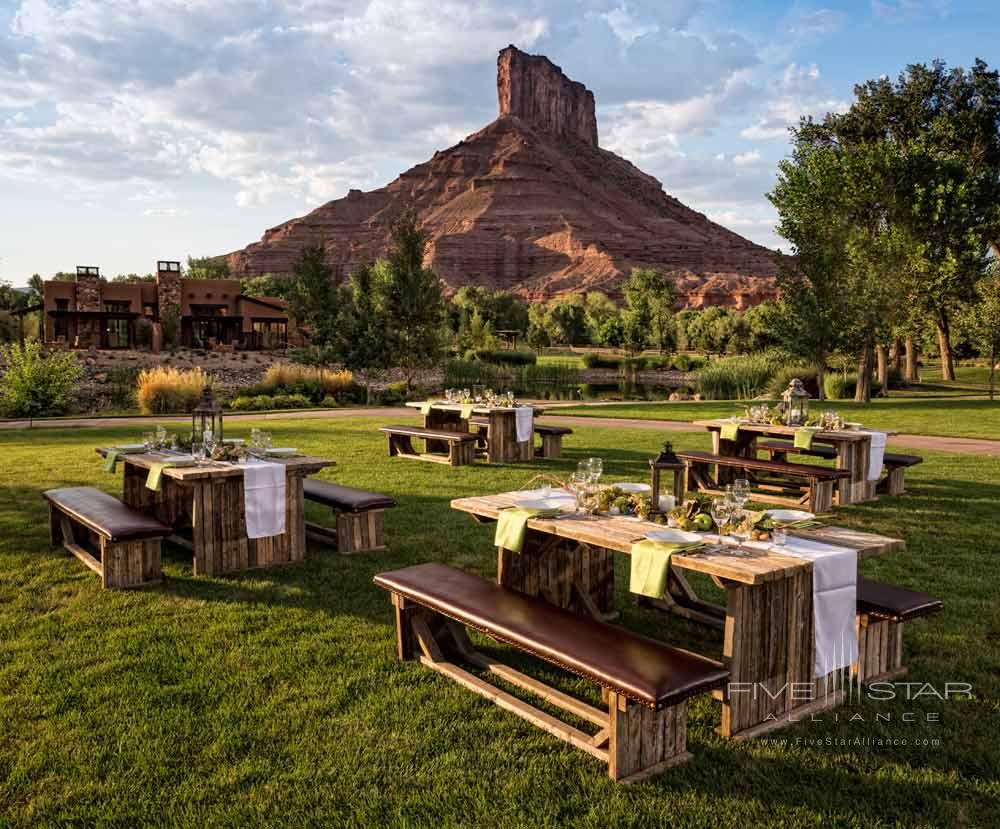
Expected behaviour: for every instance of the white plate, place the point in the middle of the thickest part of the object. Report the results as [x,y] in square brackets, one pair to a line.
[233,441]
[674,536]
[282,451]
[131,447]
[633,487]
[789,514]
[543,504]
[551,492]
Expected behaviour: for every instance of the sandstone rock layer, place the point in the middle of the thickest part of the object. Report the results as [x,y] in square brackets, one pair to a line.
[532,205]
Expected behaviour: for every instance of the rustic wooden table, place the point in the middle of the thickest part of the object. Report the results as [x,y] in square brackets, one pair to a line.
[204,505]
[768,639]
[502,445]
[853,452]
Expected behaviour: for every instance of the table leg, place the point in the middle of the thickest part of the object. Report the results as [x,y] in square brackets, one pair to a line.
[846,459]
[769,647]
[502,443]
[565,573]
[446,421]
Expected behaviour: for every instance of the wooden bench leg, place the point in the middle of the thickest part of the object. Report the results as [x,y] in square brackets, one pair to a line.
[644,742]
[551,446]
[820,496]
[880,650]
[130,563]
[360,532]
[461,453]
[894,483]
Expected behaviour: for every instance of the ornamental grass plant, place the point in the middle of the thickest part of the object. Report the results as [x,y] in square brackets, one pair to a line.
[166,390]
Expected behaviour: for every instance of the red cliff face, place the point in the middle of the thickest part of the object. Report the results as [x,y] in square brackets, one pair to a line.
[532,205]
[534,89]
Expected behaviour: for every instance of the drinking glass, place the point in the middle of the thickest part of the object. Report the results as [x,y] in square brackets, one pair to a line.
[149,440]
[208,441]
[578,483]
[740,530]
[161,437]
[198,451]
[510,399]
[779,535]
[741,491]
[721,511]
[265,440]
[596,468]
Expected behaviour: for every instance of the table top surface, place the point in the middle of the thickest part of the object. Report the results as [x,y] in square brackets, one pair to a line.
[619,533]
[301,464]
[780,430]
[478,408]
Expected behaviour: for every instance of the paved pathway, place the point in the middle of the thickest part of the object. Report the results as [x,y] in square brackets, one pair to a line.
[970,446]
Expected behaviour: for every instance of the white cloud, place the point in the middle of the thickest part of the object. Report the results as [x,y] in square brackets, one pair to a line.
[896,11]
[746,159]
[798,92]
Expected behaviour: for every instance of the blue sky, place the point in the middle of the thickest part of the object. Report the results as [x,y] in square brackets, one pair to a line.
[137,130]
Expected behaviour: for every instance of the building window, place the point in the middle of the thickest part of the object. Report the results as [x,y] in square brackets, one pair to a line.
[269,334]
[149,310]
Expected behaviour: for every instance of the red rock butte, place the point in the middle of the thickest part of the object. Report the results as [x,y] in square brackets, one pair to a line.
[531,204]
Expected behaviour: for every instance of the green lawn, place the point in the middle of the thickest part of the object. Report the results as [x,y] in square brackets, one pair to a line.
[273,698]
[952,417]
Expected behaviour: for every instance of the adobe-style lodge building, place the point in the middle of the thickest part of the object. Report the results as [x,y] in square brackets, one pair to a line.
[93,313]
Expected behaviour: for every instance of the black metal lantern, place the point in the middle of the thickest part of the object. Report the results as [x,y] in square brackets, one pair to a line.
[664,462]
[207,417]
[796,403]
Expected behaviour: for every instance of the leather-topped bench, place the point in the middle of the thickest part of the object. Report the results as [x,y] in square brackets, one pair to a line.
[126,541]
[645,683]
[895,463]
[358,514]
[460,447]
[882,609]
[813,485]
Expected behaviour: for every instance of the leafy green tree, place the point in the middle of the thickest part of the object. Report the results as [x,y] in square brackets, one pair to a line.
[36,289]
[612,332]
[568,320]
[312,296]
[36,383]
[360,330]
[207,267]
[267,284]
[540,326]
[982,321]
[12,299]
[409,296]
[598,308]
[650,297]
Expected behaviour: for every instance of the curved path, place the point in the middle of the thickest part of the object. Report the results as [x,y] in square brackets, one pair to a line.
[970,446]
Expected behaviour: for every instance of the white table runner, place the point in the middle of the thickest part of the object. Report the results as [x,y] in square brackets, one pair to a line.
[525,420]
[264,498]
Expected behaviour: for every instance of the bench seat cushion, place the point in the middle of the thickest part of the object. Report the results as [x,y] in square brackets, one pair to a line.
[892,602]
[545,429]
[105,514]
[433,434]
[344,498]
[821,451]
[823,473]
[647,671]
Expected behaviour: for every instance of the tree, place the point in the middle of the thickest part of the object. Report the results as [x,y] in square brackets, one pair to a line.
[946,126]
[982,321]
[36,289]
[568,320]
[651,297]
[267,284]
[598,310]
[36,383]
[409,296]
[539,326]
[312,296]
[360,338]
[207,267]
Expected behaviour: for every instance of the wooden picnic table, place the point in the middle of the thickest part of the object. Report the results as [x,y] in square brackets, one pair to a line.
[767,622]
[204,506]
[853,452]
[502,445]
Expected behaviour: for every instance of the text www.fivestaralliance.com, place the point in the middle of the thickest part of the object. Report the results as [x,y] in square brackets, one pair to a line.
[851,742]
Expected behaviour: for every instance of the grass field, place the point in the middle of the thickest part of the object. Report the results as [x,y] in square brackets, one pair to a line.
[273,698]
[948,416]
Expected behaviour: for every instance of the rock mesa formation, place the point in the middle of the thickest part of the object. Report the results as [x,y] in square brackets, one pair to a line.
[532,205]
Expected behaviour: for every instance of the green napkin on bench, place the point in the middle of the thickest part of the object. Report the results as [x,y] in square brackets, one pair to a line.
[512,526]
[804,438]
[425,408]
[650,565]
[111,460]
[466,411]
[730,430]
[155,473]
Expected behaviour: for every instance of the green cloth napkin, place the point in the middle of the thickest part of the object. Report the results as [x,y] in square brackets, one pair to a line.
[651,564]
[804,438]
[111,460]
[155,473]
[512,526]
[425,408]
[730,430]
[466,411]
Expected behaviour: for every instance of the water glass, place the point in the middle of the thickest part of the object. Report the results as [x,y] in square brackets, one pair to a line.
[579,483]
[740,530]
[208,439]
[721,510]
[198,451]
[779,535]
[596,468]
[741,491]
[149,440]
[161,437]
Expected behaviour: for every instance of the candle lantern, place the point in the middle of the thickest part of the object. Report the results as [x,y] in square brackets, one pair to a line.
[206,417]
[666,462]
[795,400]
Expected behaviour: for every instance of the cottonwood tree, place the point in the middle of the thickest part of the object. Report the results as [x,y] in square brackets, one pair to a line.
[982,321]
[312,296]
[650,297]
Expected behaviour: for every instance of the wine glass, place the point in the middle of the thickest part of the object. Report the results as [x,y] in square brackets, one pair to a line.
[510,399]
[596,468]
[161,437]
[741,491]
[740,529]
[208,440]
[198,451]
[149,440]
[578,483]
[721,511]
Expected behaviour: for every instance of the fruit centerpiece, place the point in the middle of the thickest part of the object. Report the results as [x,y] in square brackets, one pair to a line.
[693,515]
[615,501]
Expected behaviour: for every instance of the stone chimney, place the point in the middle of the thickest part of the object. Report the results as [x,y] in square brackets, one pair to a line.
[88,288]
[534,89]
[168,286]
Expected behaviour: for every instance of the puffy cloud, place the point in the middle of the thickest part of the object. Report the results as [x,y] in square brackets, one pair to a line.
[798,92]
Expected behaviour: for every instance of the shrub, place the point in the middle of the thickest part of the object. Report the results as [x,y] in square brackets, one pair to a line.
[682,362]
[634,363]
[170,326]
[739,378]
[505,358]
[329,402]
[594,360]
[842,387]
[164,390]
[35,383]
[807,374]
[307,381]
[122,380]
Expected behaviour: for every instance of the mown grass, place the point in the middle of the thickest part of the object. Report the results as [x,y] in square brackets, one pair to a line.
[949,417]
[273,698]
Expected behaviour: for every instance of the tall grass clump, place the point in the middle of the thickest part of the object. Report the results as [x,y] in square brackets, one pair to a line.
[164,390]
[549,380]
[807,374]
[308,381]
[502,357]
[740,378]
